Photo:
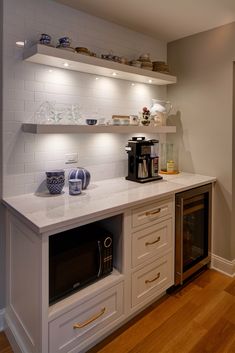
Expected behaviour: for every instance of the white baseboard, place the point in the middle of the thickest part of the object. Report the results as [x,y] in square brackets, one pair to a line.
[2,319]
[222,265]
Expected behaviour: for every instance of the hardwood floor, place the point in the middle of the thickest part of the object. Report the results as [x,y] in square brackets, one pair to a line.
[4,344]
[200,318]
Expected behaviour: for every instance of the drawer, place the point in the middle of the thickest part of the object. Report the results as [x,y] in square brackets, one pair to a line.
[151,212]
[151,241]
[71,330]
[152,280]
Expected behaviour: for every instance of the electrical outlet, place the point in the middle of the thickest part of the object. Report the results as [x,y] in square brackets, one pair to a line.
[71,158]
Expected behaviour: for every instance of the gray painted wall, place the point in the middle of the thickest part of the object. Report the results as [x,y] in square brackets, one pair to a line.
[2,242]
[203,99]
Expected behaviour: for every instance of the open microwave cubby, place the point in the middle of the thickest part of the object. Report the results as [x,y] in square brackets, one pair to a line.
[83,255]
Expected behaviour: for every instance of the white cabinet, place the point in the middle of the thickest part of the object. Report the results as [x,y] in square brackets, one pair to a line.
[151,241]
[149,213]
[152,279]
[143,269]
[152,254]
[75,328]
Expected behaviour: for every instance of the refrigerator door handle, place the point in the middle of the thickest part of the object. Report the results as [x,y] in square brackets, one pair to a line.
[179,241]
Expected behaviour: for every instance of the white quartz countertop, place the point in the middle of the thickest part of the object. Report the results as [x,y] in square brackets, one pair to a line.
[47,213]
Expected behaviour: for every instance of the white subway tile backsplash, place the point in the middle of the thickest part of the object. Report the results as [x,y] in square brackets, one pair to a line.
[33,86]
[40,97]
[34,167]
[31,106]
[8,116]
[12,126]
[12,169]
[13,105]
[26,157]
[23,117]
[14,83]
[19,94]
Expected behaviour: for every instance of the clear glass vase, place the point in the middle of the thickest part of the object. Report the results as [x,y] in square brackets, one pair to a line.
[159,111]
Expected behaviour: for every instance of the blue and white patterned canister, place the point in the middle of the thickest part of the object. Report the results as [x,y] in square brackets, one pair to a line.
[75,186]
[55,180]
[80,173]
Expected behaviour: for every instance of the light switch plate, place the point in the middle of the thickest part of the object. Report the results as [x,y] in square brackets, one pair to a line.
[71,158]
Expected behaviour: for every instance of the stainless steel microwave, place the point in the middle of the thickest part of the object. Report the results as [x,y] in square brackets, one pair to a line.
[78,257]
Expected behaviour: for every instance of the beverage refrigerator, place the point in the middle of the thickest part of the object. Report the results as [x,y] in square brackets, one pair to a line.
[192,231]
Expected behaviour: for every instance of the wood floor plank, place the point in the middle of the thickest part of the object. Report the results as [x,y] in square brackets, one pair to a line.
[185,340]
[4,344]
[217,339]
[231,288]
[155,341]
[199,318]
[130,336]
[231,348]
[230,314]
[214,309]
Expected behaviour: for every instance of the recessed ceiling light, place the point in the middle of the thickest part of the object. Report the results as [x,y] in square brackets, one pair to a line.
[114,74]
[97,78]
[150,81]
[66,64]
[132,84]
[50,70]
[20,43]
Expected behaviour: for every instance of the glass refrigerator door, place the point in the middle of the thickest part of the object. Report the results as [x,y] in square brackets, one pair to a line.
[195,229]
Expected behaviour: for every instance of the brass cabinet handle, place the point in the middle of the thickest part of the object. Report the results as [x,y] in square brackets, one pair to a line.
[153,242]
[93,318]
[152,213]
[152,280]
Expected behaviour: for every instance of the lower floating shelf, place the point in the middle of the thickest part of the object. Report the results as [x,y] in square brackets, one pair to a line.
[88,129]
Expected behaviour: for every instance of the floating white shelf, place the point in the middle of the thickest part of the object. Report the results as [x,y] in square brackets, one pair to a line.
[45,55]
[89,129]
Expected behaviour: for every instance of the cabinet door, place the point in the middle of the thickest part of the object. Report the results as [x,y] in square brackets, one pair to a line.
[71,330]
[152,279]
[151,212]
[151,241]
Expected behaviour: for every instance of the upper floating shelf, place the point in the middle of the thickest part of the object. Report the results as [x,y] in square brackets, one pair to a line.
[77,129]
[45,55]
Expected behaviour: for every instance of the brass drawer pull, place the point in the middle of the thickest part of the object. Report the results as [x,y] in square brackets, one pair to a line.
[152,213]
[152,280]
[153,242]
[93,318]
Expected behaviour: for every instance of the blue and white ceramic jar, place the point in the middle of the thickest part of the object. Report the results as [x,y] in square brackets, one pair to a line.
[80,173]
[55,181]
[45,39]
[75,186]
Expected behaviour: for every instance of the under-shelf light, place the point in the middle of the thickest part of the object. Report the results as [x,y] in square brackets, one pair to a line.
[66,64]
[150,81]
[114,74]
[20,43]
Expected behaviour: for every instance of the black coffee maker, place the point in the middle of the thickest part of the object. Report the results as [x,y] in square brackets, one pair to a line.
[142,160]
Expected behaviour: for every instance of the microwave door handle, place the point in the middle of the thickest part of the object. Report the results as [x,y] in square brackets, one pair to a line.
[100,259]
